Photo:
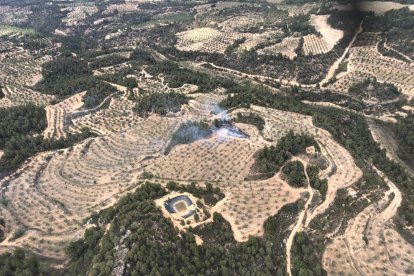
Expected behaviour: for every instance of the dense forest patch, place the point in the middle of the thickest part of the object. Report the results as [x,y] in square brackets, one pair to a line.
[269,160]
[22,120]
[295,173]
[371,88]
[404,129]
[177,76]
[251,118]
[66,76]
[319,184]
[160,103]
[305,260]
[155,246]
[20,147]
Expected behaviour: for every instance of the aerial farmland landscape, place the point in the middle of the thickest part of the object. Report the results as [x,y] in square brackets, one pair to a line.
[206,137]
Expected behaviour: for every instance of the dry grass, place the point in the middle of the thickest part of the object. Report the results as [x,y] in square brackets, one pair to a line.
[286,48]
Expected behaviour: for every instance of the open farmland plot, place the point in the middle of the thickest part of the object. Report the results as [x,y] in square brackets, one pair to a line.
[366,62]
[385,69]
[18,72]
[57,190]
[208,40]
[117,117]
[240,22]
[78,13]
[314,45]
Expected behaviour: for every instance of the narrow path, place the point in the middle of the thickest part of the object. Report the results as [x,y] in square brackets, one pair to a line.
[335,66]
[396,51]
[299,224]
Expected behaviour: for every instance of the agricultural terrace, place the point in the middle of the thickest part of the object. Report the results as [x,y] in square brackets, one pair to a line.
[59,116]
[208,40]
[52,194]
[78,13]
[365,61]
[227,160]
[370,245]
[19,71]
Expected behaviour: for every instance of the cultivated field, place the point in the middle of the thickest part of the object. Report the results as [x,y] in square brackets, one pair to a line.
[314,45]
[57,190]
[18,72]
[366,62]
[208,40]
[370,245]
[78,13]
[59,116]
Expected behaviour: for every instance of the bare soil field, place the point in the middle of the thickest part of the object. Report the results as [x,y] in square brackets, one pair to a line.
[330,35]
[287,48]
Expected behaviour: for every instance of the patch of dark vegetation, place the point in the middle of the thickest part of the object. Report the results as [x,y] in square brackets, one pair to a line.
[66,76]
[209,194]
[176,76]
[398,28]
[21,120]
[295,173]
[305,258]
[108,60]
[371,89]
[23,263]
[404,130]
[356,103]
[389,52]
[269,160]
[319,184]
[189,132]
[250,118]
[160,103]
[21,147]
[217,232]
[167,251]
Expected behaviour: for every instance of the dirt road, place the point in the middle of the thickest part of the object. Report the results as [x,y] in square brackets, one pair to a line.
[335,66]
[299,224]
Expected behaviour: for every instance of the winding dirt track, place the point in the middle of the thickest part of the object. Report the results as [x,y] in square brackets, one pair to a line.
[335,66]
[370,246]
[299,224]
